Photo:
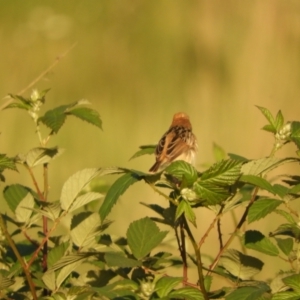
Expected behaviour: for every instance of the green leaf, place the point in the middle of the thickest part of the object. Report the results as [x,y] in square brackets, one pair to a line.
[83,235]
[55,118]
[255,240]
[258,181]
[118,259]
[261,208]
[39,156]
[286,296]
[259,166]
[285,245]
[292,230]
[269,117]
[187,293]
[74,185]
[115,191]
[182,170]
[146,149]
[293,281]
[185,208]
[87,114]
[23,211]
[7,163]
[279,121]
[286,215]
[166,284]
[56,253]
[240,265]
[5,282]
[14,194]
[50,210]
[210,193]
[143,236]
[248,293]
[85,199]
[225,172]
[295,133]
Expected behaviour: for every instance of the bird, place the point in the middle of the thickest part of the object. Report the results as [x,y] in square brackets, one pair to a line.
[178,143]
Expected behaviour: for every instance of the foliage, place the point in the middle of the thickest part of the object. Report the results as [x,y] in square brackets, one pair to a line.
[37,262]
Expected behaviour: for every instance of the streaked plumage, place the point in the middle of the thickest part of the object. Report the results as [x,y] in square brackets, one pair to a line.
[178,143]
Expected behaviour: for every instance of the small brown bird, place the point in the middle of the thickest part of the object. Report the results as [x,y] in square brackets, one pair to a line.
[178,143]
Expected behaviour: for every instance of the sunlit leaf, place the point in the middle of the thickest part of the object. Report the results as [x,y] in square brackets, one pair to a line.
[143,236]
[39,156]
[187,293]
[255,240]
[225,172]
[87,114]
[261,208]
[7,163]
[146,149]
[185,208]
[285,245]
[166,284]
[118,259]
[295,133]
[248,293]
[240,265]
[258,181]
[85,199]
[115,191]
[293,281]
[74,185]
[23,211]
[269,117]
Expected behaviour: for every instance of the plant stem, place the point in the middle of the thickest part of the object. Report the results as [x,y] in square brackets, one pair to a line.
[45,220]
[19,257]
[198,257]
[238,227]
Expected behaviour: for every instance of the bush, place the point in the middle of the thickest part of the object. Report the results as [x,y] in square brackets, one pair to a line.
[39,263]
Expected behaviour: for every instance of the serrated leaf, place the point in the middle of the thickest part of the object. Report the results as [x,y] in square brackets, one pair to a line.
[292,230]
[5,282]
[14,194]
[261,208]
[255,240]
[85,199]
[225,172]
[183,171]
[73,186]
[187,293]
[118,259]
[286,215]
[185,208]
[258,181]
[166,284]
[7,163]
[281,190]
[211,194]
[83,235]
[56,253]
[248,293]
[240,265]
[39,156]
[295,133]
[50,210]
[18,105]
[143,236]
[293,281]
[55,118]
[269,117]
[259,166]
[286,296]
[87,114]
[285,245]
[146,149]
[115,191]
[23,211]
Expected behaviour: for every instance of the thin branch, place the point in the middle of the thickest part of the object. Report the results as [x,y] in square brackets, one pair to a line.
[238,227]
[220,233]
[198,257]
[39,77]
[19,257]
[35,182]
[183,251]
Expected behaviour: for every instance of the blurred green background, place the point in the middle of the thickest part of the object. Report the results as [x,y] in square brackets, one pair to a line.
[139,62]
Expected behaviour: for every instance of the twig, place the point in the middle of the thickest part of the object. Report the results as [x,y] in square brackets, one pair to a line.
[238,227]
[19,257]
[39,77]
